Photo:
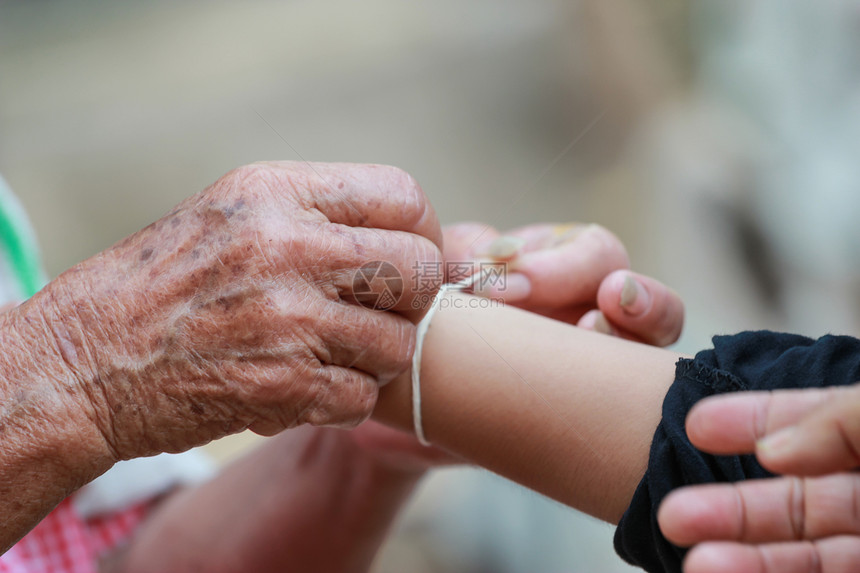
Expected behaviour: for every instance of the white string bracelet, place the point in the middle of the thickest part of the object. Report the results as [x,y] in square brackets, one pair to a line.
[421,332]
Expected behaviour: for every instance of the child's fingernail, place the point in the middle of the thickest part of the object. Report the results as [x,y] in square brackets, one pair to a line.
[635,299]
[505,248]
[602,325]
[776,444]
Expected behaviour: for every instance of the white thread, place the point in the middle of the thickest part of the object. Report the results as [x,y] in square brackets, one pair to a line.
[421,332]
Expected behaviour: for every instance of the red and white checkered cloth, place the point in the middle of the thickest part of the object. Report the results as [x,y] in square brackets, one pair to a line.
[65,542]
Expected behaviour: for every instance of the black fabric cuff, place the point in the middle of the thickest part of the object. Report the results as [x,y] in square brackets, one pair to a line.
[747,361]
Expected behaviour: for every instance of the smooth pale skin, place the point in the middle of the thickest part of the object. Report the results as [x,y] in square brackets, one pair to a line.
[567,412]
[310,491]
[234,311]
[808,521]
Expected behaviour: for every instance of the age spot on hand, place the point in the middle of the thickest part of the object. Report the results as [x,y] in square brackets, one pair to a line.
[235,208]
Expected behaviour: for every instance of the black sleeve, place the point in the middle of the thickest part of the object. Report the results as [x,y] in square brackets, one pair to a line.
[747,361]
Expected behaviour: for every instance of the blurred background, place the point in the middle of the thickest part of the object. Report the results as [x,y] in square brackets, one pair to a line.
[718,138]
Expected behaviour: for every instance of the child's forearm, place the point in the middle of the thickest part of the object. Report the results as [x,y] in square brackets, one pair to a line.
[564,411]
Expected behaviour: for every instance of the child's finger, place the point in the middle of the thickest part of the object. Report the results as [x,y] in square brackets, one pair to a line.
[832,555]
[594,320]
[642,307]
[825,440]
[762,511]
[733,423]
[565,274]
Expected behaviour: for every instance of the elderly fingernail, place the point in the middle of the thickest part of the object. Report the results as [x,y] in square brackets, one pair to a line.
[635,299]
[602,325]
[777,444]
[505,248]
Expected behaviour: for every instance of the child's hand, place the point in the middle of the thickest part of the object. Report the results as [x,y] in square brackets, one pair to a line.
[808,522]
[574,273]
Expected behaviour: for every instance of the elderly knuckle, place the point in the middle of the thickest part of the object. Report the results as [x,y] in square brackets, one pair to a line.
[263,391]
[412,190]
[333,289]
[399,178]
[352,405]
[302,324]
[324,401]
[412,199]
[344,397]
[315,246]
[344,244]
[249,180]
[421,253]
[308,404]
[394,351]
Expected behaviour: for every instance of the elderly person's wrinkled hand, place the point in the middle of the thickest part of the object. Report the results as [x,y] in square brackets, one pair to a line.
[238,309]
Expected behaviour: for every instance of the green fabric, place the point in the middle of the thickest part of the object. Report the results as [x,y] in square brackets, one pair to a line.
[19,243]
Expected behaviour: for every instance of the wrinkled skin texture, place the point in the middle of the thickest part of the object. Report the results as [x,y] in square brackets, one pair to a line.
[236,310]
